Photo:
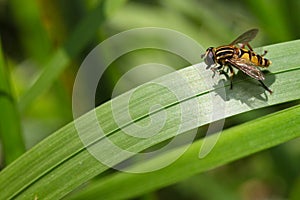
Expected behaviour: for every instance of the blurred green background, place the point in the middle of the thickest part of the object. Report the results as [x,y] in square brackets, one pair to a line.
[32,32]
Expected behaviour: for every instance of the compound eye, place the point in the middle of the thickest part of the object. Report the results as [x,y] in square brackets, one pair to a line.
[209,59]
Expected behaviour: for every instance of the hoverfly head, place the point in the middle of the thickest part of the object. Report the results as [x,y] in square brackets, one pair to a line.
[209,56]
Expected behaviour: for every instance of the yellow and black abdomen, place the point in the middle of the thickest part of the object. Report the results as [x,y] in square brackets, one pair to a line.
[254,58]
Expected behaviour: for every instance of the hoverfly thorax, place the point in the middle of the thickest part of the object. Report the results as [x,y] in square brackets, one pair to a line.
[209,57]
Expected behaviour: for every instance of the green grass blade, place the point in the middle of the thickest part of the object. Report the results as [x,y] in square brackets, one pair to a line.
[57,161]
[60,59]
[10,126]
[27,17]
[233,144]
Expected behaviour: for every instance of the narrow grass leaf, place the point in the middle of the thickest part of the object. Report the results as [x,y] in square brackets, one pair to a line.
[10,125]
[233,144]
[60,59]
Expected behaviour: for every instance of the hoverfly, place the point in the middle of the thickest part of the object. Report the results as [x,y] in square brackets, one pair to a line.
[239,57]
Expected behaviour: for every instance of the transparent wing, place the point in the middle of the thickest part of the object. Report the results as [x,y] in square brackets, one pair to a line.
[247,67]
[245,37]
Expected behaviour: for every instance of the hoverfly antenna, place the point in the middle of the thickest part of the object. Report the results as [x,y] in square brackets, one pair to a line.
[206,52]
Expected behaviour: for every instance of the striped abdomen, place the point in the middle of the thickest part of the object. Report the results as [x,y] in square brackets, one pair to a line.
[253,58]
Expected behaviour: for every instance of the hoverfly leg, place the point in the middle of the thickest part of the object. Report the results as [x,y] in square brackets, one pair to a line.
[216,69]
[265,87]
[227,70]
[214,73]
[265,52]
[220,67]
[231,74]
[250,48]
[242,45]
[224,73]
